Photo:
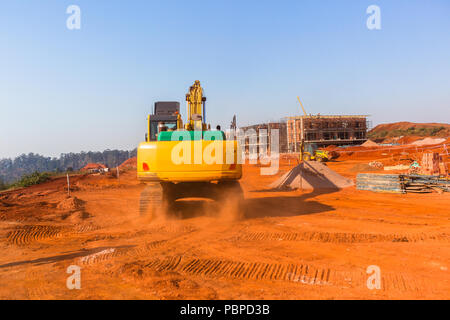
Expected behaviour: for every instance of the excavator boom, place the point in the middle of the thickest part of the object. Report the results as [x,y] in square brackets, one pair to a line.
[196,108]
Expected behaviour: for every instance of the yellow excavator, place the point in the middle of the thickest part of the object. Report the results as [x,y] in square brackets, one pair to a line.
[186,160]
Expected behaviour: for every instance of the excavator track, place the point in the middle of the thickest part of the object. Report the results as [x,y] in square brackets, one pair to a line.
[151,201]
[159,198]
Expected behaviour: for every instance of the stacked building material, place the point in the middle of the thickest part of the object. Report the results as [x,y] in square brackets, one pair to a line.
[425,184]
[430,163]
[443,170]
[389,183]
[399,183]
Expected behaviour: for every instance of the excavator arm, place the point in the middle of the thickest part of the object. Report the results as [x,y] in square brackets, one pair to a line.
[195,108]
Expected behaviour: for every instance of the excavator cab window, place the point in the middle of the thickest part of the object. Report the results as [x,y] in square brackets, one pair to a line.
[170,126]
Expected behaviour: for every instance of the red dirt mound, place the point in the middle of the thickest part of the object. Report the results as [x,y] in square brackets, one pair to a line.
[129,164]
[369,143]
[406,125]
[70,204]
[408,139]
[387,132]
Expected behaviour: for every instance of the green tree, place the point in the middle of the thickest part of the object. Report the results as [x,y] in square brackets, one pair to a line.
[3,185]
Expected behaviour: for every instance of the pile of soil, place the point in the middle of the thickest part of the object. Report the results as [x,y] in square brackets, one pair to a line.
[70,204]
[408,139]
[364,167]
[404,126]
[79,216]
[129,164]
[311,175]
[428,141]
[369,143]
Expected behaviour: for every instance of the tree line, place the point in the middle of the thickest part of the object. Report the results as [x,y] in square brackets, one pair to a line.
[12,170]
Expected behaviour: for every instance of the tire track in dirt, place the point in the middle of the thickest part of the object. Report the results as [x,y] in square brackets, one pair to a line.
[115,252]
[218,268]
[168,228]
[138,251]
[303,273]
[328,237]
[168,264]
[399,282]
[257,271]
[143,250]
[31,233]
[27,234]
[83,228]
[37,285]
[102,256]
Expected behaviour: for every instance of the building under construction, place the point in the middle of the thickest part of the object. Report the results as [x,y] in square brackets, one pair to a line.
[318,130]
[257,139]
[325,130]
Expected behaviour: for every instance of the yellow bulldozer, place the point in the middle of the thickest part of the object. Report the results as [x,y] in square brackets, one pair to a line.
[310,152]
[186,160]
[318,155]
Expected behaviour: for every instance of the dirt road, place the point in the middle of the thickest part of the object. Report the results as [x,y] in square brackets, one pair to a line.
[289,245]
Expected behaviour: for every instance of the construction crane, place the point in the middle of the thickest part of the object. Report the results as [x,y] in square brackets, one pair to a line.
[304,112]
[312,152]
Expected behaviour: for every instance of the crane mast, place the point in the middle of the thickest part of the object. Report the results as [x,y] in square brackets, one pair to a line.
[301,104]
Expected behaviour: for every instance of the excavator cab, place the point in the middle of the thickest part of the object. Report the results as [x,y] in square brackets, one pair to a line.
[164,118]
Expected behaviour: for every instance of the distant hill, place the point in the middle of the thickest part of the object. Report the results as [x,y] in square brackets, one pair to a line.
[12,170]
[409,129]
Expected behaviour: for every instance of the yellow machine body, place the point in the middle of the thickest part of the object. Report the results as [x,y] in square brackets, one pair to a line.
[155,161]
[190,160]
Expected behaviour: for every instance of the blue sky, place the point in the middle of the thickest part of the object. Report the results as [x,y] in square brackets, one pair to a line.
[90,89]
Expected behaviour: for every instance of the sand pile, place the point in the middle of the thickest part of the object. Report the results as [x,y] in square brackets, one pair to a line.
[311,175]
[70,204]
[369,143]
[428,141]
[408,139]
[78,216]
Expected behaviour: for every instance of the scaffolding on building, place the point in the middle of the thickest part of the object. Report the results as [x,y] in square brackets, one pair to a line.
[325,130]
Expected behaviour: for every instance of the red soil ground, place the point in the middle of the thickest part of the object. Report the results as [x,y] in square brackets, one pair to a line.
[289,245]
